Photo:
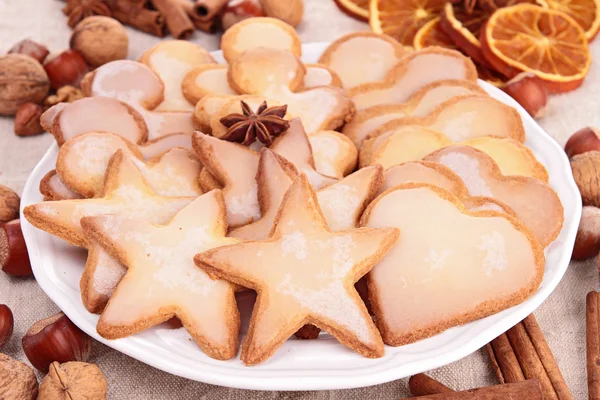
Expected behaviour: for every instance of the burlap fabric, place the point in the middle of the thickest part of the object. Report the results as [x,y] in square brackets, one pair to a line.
[562,316]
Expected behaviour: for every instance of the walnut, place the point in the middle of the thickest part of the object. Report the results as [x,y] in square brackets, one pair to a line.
[17,380]
[73,380]
[22,79]
[100,40]
[66,94]
[9,204]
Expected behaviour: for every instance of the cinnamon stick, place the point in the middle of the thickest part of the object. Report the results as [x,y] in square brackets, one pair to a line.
[524,353]
[210,26]
[422,385]
[526,390]
[176,18]
[592,334]
[134,14]
[207,10]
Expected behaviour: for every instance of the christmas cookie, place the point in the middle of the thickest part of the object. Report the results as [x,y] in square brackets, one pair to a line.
[362,57]
[162,280]
[301,268]
[320,75]
[54,189]
[483,177]
[450,266]
[205,80]
[264,32]
[412,73]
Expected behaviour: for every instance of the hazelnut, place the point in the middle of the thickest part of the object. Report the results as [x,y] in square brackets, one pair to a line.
[9,204]
[66,68]
[586,170]
[22,79]
[584,140]
[31,49]
[100,40]
[239,10]
[27,120]
[17,380]
[14,259]
[290,11]
[529,92]
[587,242]
[55,338]
[73,380]
[7,323]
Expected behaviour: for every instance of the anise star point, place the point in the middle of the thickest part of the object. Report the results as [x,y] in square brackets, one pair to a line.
[263,125]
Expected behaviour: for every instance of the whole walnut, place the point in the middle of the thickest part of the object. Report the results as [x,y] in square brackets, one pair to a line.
[17,380]
[100,40]
[73,380]
[9,204]
[22,80]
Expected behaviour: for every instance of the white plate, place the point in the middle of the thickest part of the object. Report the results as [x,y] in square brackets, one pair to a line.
[305,365]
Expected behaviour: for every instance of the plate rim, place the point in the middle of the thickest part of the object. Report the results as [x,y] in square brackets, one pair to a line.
[254,378]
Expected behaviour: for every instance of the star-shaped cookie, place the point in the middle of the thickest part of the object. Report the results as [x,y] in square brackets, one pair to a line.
[304,274]
[162,280]
[341,203]
[125,192]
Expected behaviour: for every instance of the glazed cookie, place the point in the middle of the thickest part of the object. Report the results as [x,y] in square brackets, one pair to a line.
[341,203]
[138,86]
[54,189]
[412,73]
[465,117]
[320,75]
[265,32]
[441,176]
[205,80]
[301,268]
[420,104]
[66,120]
[450,266]
[483,177]
[335,155]
[125,192]
[362,57]
[207,181]
[100,277]
[82,163]
[158,146]
[162,281]
[412,143]
[171,60]
[206,108]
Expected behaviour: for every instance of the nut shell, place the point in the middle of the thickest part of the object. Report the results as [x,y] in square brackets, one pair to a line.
[31,49]
[584,140]
[14,258]
[73,380]
[100,40]
[9,204]
[27,120]
[7,324]
[586,172]
[290,11]
[55,339]
[529,92]
[587,242]
[17,380]
[22,79]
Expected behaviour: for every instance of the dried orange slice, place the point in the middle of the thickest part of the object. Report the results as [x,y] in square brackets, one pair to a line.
[585,12]
[545,42]
[431,34]
[358,9]
[401,19]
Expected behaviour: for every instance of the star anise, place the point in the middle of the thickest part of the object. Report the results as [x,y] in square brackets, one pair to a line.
[264,124]
[78,10]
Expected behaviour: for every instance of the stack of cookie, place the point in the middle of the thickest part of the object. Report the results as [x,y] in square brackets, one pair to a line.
[378,171]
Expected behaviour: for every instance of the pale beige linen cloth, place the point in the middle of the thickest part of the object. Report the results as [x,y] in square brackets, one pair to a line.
[562,316]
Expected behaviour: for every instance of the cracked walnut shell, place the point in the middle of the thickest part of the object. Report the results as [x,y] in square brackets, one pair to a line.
[586,171]
[17,380]
[73,380]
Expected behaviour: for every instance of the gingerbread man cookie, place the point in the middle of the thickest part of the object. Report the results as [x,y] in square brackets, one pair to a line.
[300,268]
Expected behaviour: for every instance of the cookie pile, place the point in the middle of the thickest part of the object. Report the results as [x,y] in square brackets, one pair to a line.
[377,171]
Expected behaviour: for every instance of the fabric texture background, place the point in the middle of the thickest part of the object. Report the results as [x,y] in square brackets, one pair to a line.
[562,316]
